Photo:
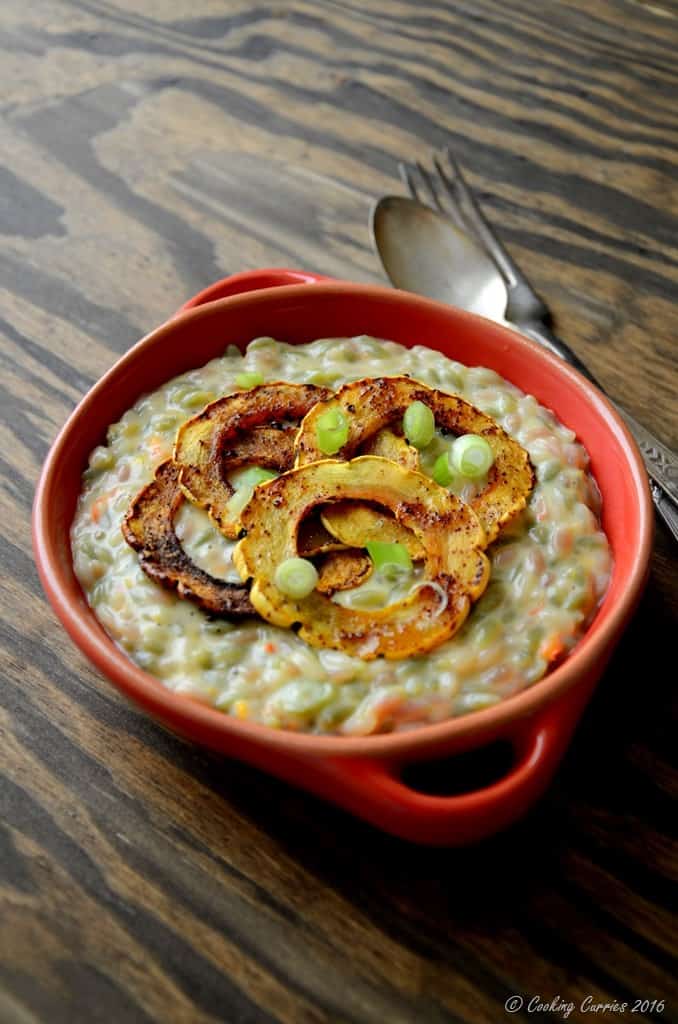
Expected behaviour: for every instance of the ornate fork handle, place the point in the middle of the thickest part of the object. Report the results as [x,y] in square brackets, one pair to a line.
[660,462]
[665,507]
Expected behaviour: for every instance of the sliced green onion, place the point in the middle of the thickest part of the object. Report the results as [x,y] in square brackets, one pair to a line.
[443,473]
[296,577]
[390,559]
[236,503]
[331,431]
[251,476]
[244,481]
[197,399]
[248,380]
[238,500]
[471,455]
[419,424]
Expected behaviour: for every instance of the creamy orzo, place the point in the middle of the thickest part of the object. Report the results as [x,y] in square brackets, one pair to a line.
[550,566]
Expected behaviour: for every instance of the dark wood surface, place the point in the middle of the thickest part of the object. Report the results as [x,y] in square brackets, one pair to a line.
[148,149]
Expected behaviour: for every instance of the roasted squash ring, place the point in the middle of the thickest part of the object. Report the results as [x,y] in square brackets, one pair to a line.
[271,447]
[354,523]
[245,427]
[456,568]
[374,402]
[332,529]
[148,527]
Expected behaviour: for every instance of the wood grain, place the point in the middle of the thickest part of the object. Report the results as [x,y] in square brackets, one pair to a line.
[147,150]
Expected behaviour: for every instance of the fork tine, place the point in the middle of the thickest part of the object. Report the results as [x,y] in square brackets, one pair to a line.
[408,181]
[475,218]
[429,185]
[420,184]
[410,176]
[453,208]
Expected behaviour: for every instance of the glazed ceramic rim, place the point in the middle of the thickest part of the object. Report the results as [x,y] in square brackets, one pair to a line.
[182,710]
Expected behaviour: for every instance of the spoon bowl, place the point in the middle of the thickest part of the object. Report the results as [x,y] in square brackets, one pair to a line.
[423,251]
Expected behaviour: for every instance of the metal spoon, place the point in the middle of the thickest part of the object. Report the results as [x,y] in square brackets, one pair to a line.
[426,253]
[423,251]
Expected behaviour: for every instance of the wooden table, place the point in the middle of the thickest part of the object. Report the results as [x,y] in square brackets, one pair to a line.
[147,150]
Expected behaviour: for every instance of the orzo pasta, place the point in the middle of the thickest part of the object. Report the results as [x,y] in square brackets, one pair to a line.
[549,567]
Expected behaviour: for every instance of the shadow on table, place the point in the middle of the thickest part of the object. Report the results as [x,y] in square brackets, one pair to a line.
[602,808]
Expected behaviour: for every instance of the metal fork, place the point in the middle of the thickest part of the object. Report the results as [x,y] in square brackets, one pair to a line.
[447,191]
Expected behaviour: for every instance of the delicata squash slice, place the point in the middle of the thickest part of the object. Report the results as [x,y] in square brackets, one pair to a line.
[343,570]
[456,568]
[315,539]
[370,404]
[148,528]
[354,523]
[255,427]
[317,536]
[389,445]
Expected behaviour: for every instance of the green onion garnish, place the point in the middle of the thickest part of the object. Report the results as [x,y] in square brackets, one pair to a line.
[443,473]
[238,500]
[471,455]
[244,482]
[331,431]
[248,380]
[296,577]
[251,476]
[390,559]
[419,424]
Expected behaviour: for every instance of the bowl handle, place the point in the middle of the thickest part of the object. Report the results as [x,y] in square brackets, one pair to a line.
[374,790]
[251,281]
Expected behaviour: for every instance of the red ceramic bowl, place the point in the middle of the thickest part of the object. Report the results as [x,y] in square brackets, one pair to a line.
[363,775]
